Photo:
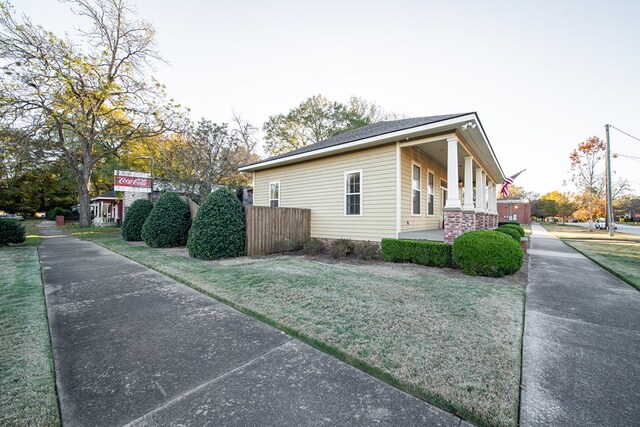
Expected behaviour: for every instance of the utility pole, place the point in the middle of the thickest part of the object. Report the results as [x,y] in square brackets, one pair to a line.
[609,205]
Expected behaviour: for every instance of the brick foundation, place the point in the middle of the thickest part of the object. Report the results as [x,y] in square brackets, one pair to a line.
[480,225]
[453,225]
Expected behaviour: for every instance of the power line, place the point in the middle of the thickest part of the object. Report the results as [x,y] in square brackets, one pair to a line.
[630,136]
[626,155]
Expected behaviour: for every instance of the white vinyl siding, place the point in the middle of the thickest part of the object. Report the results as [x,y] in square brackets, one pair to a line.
[319,185]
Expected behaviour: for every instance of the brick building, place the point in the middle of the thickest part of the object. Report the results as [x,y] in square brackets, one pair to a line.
[515,210]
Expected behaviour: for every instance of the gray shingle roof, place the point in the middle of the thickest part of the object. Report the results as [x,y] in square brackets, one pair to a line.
[376,129]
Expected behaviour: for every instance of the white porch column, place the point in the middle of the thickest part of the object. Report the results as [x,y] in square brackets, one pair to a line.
[468,184]
[479,191]
[492,197]
[485,198]
[453,200]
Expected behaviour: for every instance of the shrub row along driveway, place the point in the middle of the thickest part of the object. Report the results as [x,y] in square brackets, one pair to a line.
[452,339]
[132,346]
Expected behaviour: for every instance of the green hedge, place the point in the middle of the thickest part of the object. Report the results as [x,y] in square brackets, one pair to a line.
[501,223]
[487,253]
[11,231]
[134,219]
[168,223]
[509,231]
[219,229]
[53,212]
[435,254]
[516,227]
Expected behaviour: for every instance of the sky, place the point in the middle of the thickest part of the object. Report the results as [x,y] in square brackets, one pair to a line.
[542,75]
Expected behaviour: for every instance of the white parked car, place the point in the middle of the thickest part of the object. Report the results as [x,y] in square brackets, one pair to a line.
[601,224]
[14,216]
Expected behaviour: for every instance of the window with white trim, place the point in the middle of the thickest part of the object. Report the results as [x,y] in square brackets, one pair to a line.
[274,194]
[353,193]
[416,189]
[430,199]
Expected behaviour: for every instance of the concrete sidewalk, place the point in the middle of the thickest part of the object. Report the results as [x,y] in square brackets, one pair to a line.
[581,344]
[133,347]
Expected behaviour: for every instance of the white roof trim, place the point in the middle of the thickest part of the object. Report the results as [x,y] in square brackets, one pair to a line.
[373,140]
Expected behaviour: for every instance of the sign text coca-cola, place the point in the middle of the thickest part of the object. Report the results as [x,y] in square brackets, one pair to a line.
[131,181]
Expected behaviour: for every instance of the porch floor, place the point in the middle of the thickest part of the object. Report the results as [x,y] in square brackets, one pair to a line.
[435,235]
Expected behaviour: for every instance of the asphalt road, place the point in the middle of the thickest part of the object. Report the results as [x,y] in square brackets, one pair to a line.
[630,229]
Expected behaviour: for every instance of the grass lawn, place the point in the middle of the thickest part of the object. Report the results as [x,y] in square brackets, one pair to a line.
[619,254]
[450,339]
[27,385]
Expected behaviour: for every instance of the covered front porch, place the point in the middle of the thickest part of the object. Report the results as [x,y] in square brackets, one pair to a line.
[448,185]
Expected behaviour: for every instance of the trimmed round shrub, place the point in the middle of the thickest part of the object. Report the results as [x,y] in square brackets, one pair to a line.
[313,246]
[516,227]
[168,223]
[134,219]
[11,231]
[487,253]
[510,231]
[219,229]
[501,223]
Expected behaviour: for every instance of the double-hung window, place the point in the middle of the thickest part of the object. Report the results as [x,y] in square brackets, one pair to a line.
[430,199]
[274,194]
[416,189]
[353,193]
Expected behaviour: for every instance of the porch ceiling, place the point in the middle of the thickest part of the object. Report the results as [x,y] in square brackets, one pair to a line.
[437,147]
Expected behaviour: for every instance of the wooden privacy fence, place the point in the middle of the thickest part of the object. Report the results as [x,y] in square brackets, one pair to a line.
[268,226]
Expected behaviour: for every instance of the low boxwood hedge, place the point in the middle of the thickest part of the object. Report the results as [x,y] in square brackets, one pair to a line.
[134,219]
[510,231]
[515,227]
[168,223]
[11,231]
[487,253]
[501,223]
[434,254]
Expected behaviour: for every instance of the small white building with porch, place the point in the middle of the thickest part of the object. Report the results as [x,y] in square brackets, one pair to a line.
[430,178]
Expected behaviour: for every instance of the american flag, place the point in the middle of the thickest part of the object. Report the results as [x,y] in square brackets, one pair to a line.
[508,181]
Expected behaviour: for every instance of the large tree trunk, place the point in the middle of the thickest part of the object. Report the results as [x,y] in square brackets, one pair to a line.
[84,181]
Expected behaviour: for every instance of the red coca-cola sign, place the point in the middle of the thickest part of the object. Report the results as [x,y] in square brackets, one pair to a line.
[131,181]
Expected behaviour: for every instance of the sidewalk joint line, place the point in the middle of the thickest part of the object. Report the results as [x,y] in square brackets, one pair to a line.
[201,386]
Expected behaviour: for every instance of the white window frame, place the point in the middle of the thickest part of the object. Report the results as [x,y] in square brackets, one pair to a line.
[433,193]
[279,191]
[419,189]
[361,193]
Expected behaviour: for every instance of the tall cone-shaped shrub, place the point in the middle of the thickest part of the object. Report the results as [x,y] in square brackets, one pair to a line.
[219,229]
[168,223]
[134,220]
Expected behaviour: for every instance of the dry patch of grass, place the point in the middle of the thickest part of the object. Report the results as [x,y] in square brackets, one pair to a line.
[619,254]
[27,385]
[450,339]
